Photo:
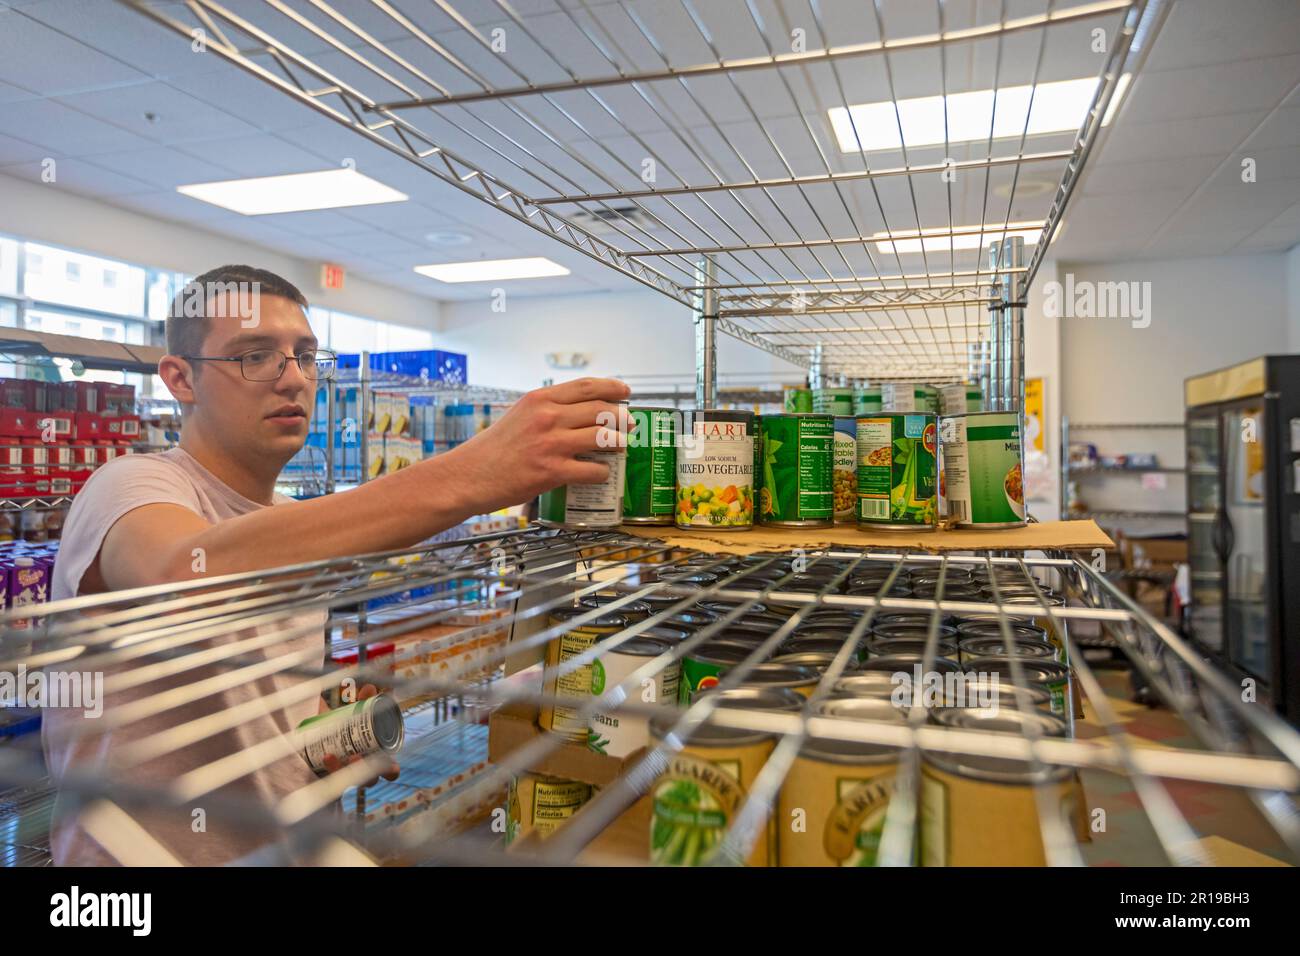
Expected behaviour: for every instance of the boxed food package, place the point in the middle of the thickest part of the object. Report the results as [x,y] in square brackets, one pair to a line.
[374,454]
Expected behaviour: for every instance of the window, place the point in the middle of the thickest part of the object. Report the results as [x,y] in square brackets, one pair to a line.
[110,279]
[73,271]
[352,333]
[8,267]
[68,281]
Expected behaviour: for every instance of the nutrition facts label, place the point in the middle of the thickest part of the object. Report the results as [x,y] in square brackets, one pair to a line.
[602,501]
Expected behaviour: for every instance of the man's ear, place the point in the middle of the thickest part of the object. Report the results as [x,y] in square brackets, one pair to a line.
[178,375]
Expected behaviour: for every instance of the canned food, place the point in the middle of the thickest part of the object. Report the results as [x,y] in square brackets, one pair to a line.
[833,401]
[798,469]
[688,576]
[702,665]
[818,660]
[897,478]
[904,397]
[619,734]
[831,645]
[983,811]
[845,478]
[976,647]
[353,730]
[890,646]
[867,401]
[990,693]
[866,684]
[983,462]
[650,486]
[632,610]
[754,634]
[690,620]
[697,796]
[799,678]
[971,626]
[541,803]
[1054,677]
[598,505]
[825,620]
[715,471]
[726,607]
[797,398]
[913,630]
[909,664]
[842,788]
[910,618]
[669,635]
[574,684]
[960,399]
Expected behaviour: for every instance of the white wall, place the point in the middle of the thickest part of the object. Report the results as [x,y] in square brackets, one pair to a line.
[47,214]
[1292,266]
[636,335]
[1043,360]
[1204,314]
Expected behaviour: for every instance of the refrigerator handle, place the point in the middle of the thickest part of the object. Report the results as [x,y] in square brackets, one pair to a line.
[1221,535]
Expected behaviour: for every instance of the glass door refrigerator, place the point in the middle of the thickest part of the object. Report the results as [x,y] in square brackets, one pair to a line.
[1243,519]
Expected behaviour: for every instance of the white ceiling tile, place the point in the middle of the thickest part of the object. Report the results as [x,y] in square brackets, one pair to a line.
[239,92]
[43,60]
[1175,172]
[1239,86]
[258,155]
[1237,207]
[163,167]
[64,131]
[1211,135]
[1203,32]
[1269,240]
[1280,128]
[79,176]
[13,150]
[178,117]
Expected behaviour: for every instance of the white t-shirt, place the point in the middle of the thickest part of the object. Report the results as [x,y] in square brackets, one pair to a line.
[122,485]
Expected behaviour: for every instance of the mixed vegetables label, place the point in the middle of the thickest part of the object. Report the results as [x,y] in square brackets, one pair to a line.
[982,470]
[715,476]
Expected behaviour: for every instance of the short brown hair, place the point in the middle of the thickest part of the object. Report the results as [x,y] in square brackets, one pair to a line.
[187,327]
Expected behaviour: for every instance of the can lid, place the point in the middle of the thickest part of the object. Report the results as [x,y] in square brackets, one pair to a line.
[886,646]
[690,619]
[911,630]
[725,653]
[604,620]
[671,634]
[800,644]
[907,663]
[991,626]
[998,769]
[983,691]
[779,699]
[778,674]
[640,646]
[592,601]
[726,607]
[835,750]
[387,722]
[717,415]
[816,659]
[996,646]
[1033,670]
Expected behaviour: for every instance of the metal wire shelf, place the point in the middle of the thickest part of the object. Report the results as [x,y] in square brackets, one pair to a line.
[235,624]
[688,146]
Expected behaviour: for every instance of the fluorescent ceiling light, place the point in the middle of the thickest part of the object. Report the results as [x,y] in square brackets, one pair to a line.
[1058,107]
[492,270]
[938,240]
[296,192]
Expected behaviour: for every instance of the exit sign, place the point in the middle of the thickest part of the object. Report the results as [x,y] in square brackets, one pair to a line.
[331,276]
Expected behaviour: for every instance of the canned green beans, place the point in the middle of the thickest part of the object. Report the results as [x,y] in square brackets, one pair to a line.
[715,471]
[702,666]
[797,398]
[1048,674]
[833,401]
[650,487]
[598,505]
[798,469]
[897,472]
[353,730]
[617,733]
[983,469]
[866,401]
[567,692]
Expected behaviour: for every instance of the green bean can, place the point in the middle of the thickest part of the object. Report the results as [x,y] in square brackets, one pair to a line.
[866,401]
[797,398]
[833,401]
[650,487]
[983,469]
[798,471]
[897,472]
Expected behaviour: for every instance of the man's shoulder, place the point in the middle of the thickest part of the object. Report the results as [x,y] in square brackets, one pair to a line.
[132,468]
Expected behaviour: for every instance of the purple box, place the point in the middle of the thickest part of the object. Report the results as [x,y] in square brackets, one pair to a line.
[29,582]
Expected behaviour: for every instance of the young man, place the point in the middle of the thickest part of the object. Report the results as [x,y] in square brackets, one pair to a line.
[245,367]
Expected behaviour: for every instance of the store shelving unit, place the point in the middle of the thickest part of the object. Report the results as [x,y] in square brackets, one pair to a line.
[770,234]
[1145,516]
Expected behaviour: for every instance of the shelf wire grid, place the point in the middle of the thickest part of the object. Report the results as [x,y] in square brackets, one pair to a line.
[648,136]
[140,637]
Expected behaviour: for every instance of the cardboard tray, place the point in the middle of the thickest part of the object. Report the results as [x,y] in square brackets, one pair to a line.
[1040,536]
[514,725]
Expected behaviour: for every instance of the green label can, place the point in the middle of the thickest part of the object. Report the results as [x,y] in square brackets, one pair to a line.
[833,401]
[983,469]
[845,479]
[715,471]
[960,399]
[905,397]
[897,472]
[866,401]
[651,484]
[797,398]
[798,465]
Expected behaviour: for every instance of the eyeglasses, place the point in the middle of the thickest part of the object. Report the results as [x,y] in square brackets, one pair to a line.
[267,365]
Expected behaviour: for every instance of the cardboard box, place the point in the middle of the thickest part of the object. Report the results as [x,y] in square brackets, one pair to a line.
[514,725]
[19,422]
[87,426]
